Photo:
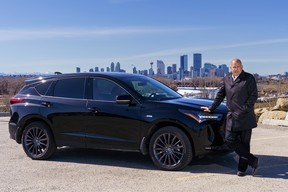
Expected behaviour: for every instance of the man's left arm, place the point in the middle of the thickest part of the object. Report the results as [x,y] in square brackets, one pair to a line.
[252,94]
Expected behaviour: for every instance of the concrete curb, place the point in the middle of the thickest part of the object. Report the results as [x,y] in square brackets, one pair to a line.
[275,122]
[4,114]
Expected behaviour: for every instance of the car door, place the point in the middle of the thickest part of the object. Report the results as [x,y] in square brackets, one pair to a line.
[65,107]
[112,125]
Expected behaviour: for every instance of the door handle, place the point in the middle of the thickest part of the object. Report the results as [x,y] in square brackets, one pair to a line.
[46,103]
[93,109]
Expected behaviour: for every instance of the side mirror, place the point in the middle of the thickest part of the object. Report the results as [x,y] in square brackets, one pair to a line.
[124,99]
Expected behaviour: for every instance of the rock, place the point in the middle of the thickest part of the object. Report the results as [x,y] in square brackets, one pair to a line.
[259,112]
[280,115]
[281,105]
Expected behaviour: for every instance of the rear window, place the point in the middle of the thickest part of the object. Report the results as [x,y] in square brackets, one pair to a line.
[70,88]
[43,87]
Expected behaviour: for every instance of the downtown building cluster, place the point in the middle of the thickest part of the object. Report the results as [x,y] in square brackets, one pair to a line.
[175,72]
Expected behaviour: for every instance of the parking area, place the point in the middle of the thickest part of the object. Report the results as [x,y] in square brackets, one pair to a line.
[96,170]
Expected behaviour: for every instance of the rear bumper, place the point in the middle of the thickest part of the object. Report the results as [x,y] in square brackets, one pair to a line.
[12,130]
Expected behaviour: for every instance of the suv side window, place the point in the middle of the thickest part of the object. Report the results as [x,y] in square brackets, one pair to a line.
[70,88]
[43,87]
[106,90]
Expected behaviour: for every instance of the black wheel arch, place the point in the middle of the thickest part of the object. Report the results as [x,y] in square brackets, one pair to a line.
[170,148]
[38,141]
[28,120]
[144,147]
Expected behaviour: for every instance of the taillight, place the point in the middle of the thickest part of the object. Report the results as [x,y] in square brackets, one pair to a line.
[15,100]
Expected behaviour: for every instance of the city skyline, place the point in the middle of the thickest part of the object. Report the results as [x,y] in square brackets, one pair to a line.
[49,36]
[172,71]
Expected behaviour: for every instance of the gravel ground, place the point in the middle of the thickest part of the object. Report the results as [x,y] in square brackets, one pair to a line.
[96,170]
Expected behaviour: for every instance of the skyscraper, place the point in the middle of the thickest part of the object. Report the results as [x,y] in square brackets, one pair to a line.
[118,67]
[134,70]
[160,67]
[169,70]
[207,67]
[225,69]
[112,66]
[184,62]
[197,64]
[183,66]
[174,68]
[151,72]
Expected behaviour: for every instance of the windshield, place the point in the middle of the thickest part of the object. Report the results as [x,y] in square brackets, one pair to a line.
[151,89]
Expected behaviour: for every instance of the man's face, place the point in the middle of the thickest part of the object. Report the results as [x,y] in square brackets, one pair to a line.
[236,68]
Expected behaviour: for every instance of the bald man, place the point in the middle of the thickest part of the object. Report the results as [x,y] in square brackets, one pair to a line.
[240,90]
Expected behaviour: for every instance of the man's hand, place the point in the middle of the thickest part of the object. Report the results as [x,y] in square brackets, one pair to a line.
[206,109]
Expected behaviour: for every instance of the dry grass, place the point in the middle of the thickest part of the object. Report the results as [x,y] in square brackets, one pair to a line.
[266,88]
[4,103]
[268,104]
[273,87]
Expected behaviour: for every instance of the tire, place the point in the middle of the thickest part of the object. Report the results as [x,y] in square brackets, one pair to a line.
[170,149]
[38,142]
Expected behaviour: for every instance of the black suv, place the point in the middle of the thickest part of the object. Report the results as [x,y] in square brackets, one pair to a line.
[115,111]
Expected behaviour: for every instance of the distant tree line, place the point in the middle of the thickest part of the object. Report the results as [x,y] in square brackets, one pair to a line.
[191,82]
[11,85]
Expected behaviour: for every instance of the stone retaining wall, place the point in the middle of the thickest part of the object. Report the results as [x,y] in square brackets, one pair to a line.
[276,115]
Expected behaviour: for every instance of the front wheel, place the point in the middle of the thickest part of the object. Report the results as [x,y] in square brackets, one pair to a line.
[170,149]
[37,141]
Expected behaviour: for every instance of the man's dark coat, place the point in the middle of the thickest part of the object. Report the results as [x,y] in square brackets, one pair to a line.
[241,96]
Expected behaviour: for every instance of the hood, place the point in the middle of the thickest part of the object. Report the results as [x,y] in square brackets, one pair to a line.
[197,103]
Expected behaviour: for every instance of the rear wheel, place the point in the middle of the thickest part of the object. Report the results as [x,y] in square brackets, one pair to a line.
[170,149]
[37,141]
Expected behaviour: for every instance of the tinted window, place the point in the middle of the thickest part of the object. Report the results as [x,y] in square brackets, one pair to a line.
[29,91]
[71,88]
[43,87]
[104,89]
[151,89]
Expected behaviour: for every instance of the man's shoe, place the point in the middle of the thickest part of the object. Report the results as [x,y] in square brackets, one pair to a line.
[240,174]
[255,167]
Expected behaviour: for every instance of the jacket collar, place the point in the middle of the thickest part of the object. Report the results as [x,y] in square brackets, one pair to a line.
[240,76]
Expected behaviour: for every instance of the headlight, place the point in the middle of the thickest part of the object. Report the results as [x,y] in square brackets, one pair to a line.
[200,116]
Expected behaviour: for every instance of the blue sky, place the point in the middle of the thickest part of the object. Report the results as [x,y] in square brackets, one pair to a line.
[60,35]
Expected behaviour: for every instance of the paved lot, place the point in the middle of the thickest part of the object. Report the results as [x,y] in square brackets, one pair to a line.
[95,170]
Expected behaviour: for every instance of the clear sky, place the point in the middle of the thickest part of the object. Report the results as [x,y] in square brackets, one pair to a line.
[60,35]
